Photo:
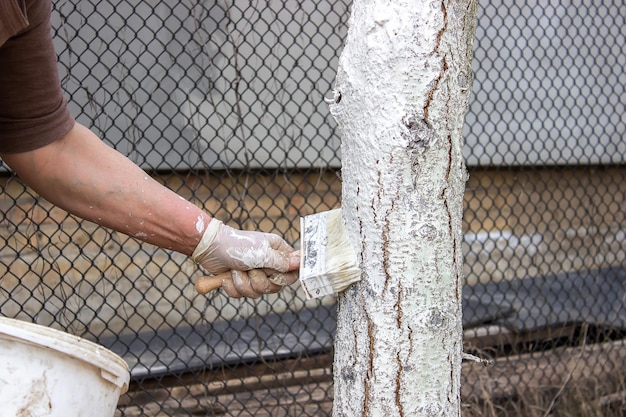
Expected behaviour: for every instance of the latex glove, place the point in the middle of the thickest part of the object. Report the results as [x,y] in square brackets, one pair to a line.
[261,263]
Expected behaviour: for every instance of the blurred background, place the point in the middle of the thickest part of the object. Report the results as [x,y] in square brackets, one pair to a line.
[222,101]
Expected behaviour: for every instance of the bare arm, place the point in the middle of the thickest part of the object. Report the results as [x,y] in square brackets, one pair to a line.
[84,176]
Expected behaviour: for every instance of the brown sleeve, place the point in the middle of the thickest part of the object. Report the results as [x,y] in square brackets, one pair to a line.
[12,18]
[33,110]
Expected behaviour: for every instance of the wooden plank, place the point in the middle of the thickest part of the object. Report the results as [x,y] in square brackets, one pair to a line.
[476,341]
[304,386]
[245,378]
[306,398]
[511,375]
[495,337]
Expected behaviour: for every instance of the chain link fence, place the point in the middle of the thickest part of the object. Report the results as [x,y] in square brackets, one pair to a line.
[223,102]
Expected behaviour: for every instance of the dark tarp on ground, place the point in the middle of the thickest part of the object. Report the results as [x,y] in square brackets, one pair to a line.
[596,297]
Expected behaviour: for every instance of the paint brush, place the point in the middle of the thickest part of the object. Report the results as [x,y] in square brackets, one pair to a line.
[328,262]
[206,284]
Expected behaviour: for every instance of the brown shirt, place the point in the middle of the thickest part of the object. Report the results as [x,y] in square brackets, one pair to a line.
[12,18]
[33,111]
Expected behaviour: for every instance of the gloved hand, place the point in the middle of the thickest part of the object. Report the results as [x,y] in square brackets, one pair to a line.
[260,263]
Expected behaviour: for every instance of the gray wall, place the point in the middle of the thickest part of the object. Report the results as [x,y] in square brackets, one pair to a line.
[549,83]
[184,84]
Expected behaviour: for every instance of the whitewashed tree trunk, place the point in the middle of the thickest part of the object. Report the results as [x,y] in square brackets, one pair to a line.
[401,95]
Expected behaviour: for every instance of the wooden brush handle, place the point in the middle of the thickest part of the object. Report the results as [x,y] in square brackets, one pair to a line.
[205,285]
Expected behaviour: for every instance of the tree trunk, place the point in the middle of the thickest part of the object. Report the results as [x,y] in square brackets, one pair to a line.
[401,95]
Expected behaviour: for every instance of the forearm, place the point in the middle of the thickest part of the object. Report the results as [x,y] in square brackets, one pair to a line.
[84,176]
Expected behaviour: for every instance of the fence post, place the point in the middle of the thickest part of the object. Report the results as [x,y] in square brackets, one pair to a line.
[401,94]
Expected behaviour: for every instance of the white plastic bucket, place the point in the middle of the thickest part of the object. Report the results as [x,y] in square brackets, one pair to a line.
[46,372]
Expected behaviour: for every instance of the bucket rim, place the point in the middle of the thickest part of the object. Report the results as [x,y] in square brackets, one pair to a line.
[113,368]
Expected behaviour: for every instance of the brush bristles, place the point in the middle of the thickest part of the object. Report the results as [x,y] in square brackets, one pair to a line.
[328,262]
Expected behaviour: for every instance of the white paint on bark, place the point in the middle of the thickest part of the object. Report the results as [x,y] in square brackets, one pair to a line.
[401,94]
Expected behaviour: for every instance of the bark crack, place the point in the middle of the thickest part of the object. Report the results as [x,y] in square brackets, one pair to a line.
[370,365]
[398,359]
[445,200]
[449,165]
[399,386]
[385,236]
[384,232]
[438,42]
[443,28]
[435,85]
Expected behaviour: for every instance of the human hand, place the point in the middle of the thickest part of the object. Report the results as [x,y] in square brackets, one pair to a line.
[259,263]
[251,283]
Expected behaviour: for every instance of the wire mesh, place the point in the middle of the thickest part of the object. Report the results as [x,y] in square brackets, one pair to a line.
[223,103]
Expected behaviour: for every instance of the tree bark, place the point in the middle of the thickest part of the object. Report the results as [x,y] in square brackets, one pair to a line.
[401,94]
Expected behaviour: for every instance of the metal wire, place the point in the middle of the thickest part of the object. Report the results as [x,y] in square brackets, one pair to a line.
[224,103]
